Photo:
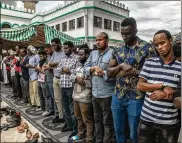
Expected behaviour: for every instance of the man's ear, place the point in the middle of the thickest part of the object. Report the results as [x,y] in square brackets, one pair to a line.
[171,40]
[136,30]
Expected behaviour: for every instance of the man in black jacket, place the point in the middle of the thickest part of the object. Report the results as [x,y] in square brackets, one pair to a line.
[24,80]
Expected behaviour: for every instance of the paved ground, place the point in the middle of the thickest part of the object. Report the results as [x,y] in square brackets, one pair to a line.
[12,135]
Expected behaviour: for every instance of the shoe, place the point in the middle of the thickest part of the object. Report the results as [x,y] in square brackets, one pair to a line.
[28,134]
[57,120]
[72,134]
[46,113]
[14,123]
[38,109]
[28,105]
[15,116]
[35,136]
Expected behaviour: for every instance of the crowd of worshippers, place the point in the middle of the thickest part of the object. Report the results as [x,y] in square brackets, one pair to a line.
[128,93]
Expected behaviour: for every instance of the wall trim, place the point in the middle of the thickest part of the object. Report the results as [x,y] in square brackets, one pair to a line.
[94,37]
[86,7]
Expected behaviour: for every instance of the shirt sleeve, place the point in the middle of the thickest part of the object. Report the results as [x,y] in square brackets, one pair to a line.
[37,60]
[144,72]
[59,67]
[178,90]
[88,65]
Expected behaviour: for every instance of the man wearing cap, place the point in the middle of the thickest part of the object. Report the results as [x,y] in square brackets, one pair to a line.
[33,82]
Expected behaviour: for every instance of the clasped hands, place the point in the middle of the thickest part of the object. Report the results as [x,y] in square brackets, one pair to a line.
[166,93]
[97,71]
[126,70]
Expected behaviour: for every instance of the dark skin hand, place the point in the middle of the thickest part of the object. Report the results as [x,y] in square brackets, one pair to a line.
[65,70]
[29,66]
[80,80]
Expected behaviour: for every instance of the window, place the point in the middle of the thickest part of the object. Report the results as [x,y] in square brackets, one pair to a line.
[97,21]
[52,27]
[80,22]
[115,26]
[64,26]
[107,24]
[58,27]
[72,24]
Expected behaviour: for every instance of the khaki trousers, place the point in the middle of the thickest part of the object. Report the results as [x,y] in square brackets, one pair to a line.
[58,95]
[33,91]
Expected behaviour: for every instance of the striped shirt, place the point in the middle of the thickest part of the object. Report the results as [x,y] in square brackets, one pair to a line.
[156,71]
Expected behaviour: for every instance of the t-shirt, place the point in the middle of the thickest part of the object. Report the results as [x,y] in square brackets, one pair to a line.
[156,71]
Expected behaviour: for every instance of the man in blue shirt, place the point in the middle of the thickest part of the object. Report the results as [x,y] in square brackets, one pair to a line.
[126,64]
[102,88]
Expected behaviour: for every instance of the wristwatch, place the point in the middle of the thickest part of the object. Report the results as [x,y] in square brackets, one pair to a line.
[163,85]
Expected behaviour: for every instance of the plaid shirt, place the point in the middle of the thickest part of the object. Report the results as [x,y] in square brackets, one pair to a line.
[69,62]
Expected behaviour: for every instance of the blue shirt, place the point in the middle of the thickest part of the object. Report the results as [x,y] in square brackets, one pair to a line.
[56,58]
[126,86]
[102,87]
[33,61]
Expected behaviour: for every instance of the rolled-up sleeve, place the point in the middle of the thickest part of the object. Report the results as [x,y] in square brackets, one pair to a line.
[59,67]
[88,65]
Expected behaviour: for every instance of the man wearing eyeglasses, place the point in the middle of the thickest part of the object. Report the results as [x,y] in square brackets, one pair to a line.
[125,66]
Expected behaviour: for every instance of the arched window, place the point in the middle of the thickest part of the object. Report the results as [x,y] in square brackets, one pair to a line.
[6,25]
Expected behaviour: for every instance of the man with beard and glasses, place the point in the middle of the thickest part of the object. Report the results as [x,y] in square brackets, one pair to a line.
[159,79]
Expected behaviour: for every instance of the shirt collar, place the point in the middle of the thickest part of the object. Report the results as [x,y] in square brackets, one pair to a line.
[70,56]
[138,43]
[169,64]
[105,51]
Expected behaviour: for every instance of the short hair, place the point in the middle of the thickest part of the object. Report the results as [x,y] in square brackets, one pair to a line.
[69,43]
[129,21]
[23,50]
[47,46]
[42,52]
[167,33]
[56,40]
[105,35]
[85,48]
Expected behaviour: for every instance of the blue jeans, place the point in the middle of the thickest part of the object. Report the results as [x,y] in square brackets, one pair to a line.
[121,108]
[49,84]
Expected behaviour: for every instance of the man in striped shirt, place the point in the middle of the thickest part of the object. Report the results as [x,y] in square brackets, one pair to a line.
[159,79]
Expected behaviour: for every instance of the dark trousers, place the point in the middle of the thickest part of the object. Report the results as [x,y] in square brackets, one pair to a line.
[85,118]
[157,133]
[68,111]
[18,85]
[42,94]
[14,85]
[49,86]
[103,119]
[25,89]
[9,78]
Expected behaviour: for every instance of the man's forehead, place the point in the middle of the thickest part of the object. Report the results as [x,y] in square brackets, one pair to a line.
[129,27]
[160,36]
[100,36]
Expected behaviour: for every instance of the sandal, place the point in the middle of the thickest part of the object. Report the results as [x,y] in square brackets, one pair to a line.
[25,125]
[20,129]
[28,134]
[35,136]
